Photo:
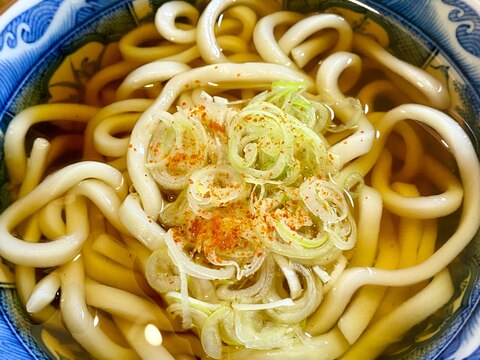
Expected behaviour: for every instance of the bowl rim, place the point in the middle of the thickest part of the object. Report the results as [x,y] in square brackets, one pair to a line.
[474,3]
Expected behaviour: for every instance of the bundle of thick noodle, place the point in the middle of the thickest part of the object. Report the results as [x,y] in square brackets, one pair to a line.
[253,182]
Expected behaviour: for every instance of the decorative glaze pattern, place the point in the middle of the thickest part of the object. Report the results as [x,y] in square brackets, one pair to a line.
[468,30]
[39,30]
[30,25]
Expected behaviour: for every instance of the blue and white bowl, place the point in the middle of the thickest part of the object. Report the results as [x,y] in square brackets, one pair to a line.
[36,37]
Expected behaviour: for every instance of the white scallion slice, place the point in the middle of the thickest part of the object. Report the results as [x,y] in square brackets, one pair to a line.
[192,268]
[264,306]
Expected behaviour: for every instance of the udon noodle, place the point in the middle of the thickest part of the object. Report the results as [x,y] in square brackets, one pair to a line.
[253,182]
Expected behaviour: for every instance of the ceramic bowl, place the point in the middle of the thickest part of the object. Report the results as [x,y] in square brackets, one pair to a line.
[37,37]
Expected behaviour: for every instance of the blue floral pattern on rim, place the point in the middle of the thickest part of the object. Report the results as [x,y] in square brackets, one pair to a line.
[30,26]
[40,28]
[468,32]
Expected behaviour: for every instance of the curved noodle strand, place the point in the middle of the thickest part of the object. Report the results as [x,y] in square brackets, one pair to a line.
[165,21]
[434,92]
[264,38]
[297,33]
[78,320]
[15,155]
[66,247]
[206,41]
[469,168]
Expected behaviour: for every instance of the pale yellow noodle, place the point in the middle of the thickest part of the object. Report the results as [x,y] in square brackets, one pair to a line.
[102,269]
[425,207]
[206,41]
[410,229]
[187,56]
[43,293]
[119,107]
[232,44]
[360,142]
[51,222]
[337,74]
[142,253]
[375,93]
[126,305]
[15,155]
[309,49]
[67,246]
[264,38]
[136,336]
[154,72]
[105,197]
[78,320]
[426,248]
[413,153]
[106,143]
[108,272]
[369,205]
[102,78]
[428,240]
[145,228]
[36,165]
[132,50]
[409,237]
[429,90]
[63,144]
[113,249]
[393,327]
[165,21]
[361,310]
[247,17]
[25,277]
[303,29]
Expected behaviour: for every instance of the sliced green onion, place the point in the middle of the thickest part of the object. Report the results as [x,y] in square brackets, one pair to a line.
[343,234]
[324,199]
[215,186]
[303,306]
[179,146]
[210,334]
[176,297]
[256,330]
[161,272]
[289,236]
[192,268]
[353,184]
[294,285]
[254,292]
[263,306]
[198,316]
